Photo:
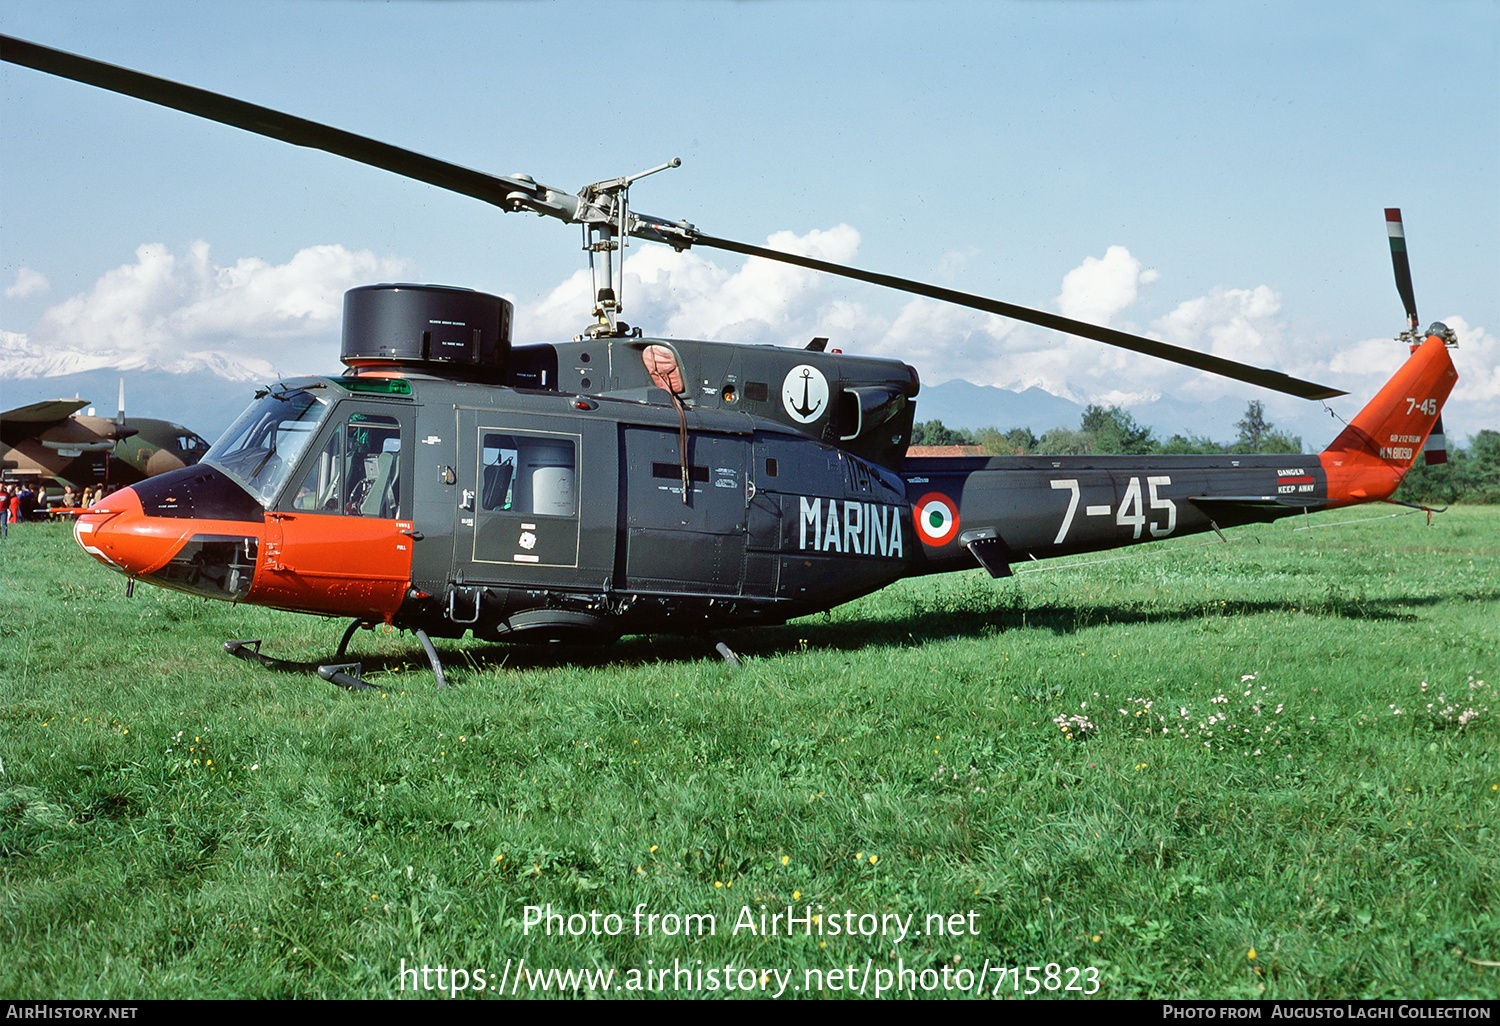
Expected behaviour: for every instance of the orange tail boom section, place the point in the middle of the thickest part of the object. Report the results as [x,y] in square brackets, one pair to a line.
[1368,459]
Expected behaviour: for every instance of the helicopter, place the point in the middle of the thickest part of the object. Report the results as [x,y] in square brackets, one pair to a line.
[449,482]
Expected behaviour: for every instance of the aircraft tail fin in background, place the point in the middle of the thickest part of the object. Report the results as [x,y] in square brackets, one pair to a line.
[1370,457]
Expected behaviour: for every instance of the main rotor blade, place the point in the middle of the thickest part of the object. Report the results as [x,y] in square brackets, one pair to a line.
[1399,260]
[514,193]
[1150,347]
[262,121]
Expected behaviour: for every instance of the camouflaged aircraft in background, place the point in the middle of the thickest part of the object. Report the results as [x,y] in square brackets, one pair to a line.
[51,444]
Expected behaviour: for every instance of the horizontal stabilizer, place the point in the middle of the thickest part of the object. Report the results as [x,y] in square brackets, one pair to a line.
[990,550]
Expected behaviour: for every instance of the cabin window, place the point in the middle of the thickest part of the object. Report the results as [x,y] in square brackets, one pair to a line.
[532,475]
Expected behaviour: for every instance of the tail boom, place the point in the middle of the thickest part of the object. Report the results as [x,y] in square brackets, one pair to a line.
[1368,459]
[995,511]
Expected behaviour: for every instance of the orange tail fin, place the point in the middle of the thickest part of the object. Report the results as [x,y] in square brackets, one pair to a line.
[1369,457]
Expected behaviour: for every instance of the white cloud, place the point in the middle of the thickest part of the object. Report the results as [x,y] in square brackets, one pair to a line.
[1475,401]
[248,319]
[13,344]
[1478,361]
[687,295]
[28,283]
[1241,324]
[1099,289]
[252,319]
[1237,324]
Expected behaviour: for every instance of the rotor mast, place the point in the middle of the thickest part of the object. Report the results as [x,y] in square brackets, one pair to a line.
[604,211]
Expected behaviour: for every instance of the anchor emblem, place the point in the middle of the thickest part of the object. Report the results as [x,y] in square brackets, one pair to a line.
[804,393]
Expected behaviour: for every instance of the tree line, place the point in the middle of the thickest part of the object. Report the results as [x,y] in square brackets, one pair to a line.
[1472,473]
[1109,429]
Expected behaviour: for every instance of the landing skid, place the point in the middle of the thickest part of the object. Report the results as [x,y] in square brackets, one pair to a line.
[345,675]
[726,653]
[337,671]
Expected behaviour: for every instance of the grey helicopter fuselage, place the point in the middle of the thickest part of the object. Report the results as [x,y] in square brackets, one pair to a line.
[450,483]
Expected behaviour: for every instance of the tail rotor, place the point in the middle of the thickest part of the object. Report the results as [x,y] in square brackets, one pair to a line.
[1436,449]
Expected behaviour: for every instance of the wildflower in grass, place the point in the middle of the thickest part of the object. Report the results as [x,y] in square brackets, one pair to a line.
[1075,727]
[1250,954]
[785,859]
[1458,712]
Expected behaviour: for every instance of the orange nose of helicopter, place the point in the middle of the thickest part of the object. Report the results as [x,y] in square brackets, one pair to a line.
[191,529]
[117,532]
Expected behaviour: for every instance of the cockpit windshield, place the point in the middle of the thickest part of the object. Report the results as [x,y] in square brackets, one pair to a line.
[263,447]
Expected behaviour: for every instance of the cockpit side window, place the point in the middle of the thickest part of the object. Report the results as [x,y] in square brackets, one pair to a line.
[357,472]
[322,490]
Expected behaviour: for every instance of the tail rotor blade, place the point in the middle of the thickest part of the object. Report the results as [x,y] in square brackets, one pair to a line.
[1435,450]
[1397,233]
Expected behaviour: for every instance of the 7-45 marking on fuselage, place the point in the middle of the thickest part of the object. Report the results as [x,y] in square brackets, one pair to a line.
[1131,512]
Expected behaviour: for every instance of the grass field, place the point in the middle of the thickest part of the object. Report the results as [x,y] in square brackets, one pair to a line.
[1214,770]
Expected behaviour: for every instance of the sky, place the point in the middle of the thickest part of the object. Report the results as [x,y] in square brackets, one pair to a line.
[1212,174]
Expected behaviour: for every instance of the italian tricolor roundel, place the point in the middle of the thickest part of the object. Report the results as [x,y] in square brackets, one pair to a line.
[937,518]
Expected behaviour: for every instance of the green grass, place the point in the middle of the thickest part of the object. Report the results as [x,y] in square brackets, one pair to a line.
[902,754]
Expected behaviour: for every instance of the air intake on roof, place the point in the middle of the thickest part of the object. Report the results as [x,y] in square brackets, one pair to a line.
[436,327]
